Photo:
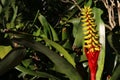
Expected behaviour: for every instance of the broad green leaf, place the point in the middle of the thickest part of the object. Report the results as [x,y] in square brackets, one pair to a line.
[101,29]
[77,32]
[78,35]
[4,50]
[35,73]
[67,56]
[11,60]
[61,64]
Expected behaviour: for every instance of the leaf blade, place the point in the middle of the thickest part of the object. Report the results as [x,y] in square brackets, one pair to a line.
[62,51]
[61,64]
[101,29]
[4,50]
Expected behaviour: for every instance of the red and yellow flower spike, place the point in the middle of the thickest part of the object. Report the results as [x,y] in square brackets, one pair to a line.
[91,44]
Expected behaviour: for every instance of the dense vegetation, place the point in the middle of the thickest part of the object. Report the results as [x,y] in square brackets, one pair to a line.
[43,39]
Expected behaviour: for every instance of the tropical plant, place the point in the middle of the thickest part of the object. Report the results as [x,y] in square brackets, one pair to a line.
[60,39]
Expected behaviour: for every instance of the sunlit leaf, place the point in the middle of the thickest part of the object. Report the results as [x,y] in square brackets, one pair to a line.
[37,33]
[4,50]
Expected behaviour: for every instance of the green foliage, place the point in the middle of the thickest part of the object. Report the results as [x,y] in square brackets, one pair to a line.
[45,41]
[48,30]
[10,60]
[61,64]
[34,73]
[62,51]
[101,28]
[77,32]
[4,50]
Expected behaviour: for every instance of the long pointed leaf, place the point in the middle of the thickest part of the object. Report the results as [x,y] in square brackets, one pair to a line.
[34,73]
[101,28]
[48,29]
[60,63]
[62,51]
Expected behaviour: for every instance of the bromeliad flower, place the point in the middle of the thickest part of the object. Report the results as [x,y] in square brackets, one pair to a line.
[91,40]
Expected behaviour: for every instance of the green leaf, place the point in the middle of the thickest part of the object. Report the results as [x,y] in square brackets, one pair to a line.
[89,3]
[0,9]
[11,60]
[61,65]
[62,51]
[77,32]
[48,30]
[26,62]
[35,73]
[4,50]
[109,38]
[3,2]
[101,29]
[45,25]
[37,33]
[64,33]
[54,34]
[67,44]
[116,73]
[114,40]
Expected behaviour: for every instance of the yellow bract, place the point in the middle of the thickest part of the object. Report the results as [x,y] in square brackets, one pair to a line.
[91,39]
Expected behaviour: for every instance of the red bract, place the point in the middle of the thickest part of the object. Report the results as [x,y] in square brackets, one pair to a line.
[92,62]
[91,40]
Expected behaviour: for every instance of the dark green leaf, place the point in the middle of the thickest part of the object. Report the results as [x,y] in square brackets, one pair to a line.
[11,60]
[61,65]
[116,74]
[61,50]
